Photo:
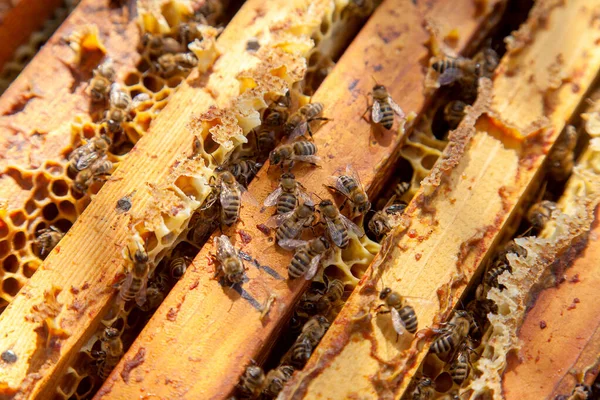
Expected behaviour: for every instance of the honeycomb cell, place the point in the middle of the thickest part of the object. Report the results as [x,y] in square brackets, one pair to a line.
[3,229]
[54,168]
[30,207]
[67,208]
[174,81]
[429,161]
[50,211]
[10,264]
[4,248]
[153,83]
[17,218]
[41,192]
[131,79]
[209,145]
[60,188]
[11,286]
[29,268]
[19,240]
[23,179]
[85,386]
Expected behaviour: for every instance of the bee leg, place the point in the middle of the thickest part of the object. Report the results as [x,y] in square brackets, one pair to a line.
[343,203]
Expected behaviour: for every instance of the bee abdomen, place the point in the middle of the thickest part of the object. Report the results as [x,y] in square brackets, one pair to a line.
[130,293]
[443,344]
[409,317]
[301,352]
[286,202]
[305,148]
[459,372]
[348,182]
[387,118]
[231,210]
[298,265]
[442,65]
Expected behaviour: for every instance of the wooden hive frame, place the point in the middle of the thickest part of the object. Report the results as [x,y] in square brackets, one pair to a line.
[69,296]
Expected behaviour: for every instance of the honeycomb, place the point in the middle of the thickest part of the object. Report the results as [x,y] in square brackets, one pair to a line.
[25,53]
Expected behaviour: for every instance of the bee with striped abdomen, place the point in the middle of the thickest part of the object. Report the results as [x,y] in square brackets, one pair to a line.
[287,194]
[307,256]
[136,281]
[453,334]
[384,107]
[540,213]
[83,156]
[454,112]
[244,170]
[334,293]
[178,266]
[451,69]
[252,382]
[425,390]
[288,154]
[276,379]
[47,240]
[103,77]
[403,315]
[300,352]
[277,113]
[350,186]
[460,367]
[112,351]
[230,262]
[314,329]
[561,158]
[299,123]
[169,64]
[338,225]
[384,220]
[290,225]
[230,194]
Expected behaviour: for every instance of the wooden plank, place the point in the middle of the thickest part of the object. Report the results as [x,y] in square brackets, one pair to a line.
[209,366]
[79,270]
[19,20]
[461,209]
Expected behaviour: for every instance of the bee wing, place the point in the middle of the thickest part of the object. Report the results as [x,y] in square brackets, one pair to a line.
[298,131]
[351,226]
[225,193]
[336,183]
[376,114]
[306,199]
[271,199]
[397,322]
[247,196]
[85,161]
[115,88]
[351,172]
[224,247]
[140,297]
[336,236]
[309,159]
[449,75]
[125,284]
[313,267]
[396,107]
[276,220]
[291,244]
[139,99]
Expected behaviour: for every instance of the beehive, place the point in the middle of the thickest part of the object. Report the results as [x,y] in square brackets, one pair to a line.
[165,180]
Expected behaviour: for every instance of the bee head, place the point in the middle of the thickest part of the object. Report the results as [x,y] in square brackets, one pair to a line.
[275,157]
[384,293]
[254,371]
[325,242]
[364,207]
[288,175]
[325,203]
[478,69]
[113,126]
[110,333]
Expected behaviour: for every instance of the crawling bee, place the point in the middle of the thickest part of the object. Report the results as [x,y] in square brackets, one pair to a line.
[300,352]
[425,390]
[188,31]
[136,281]
[451,69]
[560,159]
[230,262]
[306,308]
[288,154]
[488,60]
[460,367]
[400,189]
[155,293]
[168,64]
[382,221]
[511,247]
[334,293]
[287,195]
[112,351]
[404,317]
[299,123]
[47,239]
[252,382]
[350,186]
[83,156]
[454,112]
[494,271]
[178,266]
[119,107]
[338,225]
[453,334]
[314,330]
[264,141]
[244,170]
[290,225]
[276,379]
[278,112]
[103,77]
[384,107]
[202,224]
[479,309]
[157,45]
[84,178]
[230,194]
[540,213]
[307,256]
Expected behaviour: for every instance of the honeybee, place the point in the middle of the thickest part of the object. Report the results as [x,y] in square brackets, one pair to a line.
[479,310]
[400,189]
[540,213]
[287,194]
[452,69]
[403,315]
[425,390]
[252,382]
[290,225]
[494,271]
[178,266]
[230,194]
[306,308]
[337,224]
[460,367]
[202,224]
[83,156]
[136,281]
[244,170]
[112,350]
[288,154]
[230,262]
[187,32]
[276,379]
[384,107]
[157,45]
[489,60]
[155,294]
[264,141]
[168,64]
[300,352]
[511,247]
[314,330]
[382,221]
[103,76]
[47,239]
[277,113]
[307,256]
[453,334]
[299,123]
[350,186]
[560,159]
[100,167]
[334,293]
[454,112]
[85,178]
